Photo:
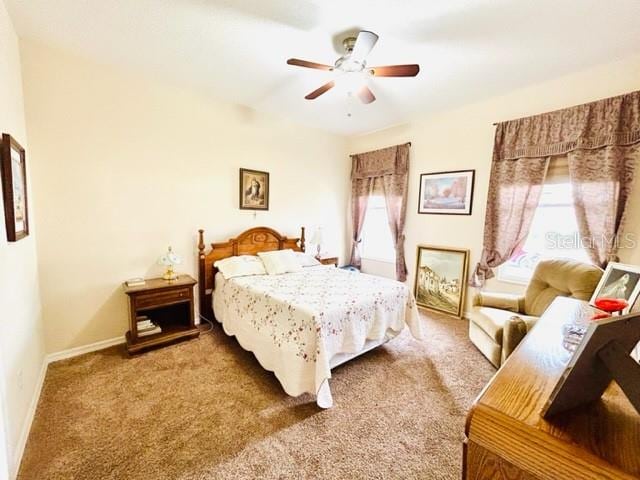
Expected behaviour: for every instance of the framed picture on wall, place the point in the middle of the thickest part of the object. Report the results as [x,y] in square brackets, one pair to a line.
[14,188]
[446,193]
[619,281]
[441,279]
[254,190]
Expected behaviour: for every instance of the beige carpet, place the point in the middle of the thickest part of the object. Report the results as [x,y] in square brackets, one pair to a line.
[205,409]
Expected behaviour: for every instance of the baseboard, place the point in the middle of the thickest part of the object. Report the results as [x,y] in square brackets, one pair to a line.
[92,347]
[26,426]
[33,405]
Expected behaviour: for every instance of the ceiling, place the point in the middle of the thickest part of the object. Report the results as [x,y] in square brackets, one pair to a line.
[237,49]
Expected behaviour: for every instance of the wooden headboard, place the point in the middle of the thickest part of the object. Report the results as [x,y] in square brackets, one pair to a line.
[250,242]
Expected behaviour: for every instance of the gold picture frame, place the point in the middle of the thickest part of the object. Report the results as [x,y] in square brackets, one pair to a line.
[440,281]
[254,189]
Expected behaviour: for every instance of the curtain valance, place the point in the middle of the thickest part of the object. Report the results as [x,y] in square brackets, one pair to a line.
[386,161]
[613,121]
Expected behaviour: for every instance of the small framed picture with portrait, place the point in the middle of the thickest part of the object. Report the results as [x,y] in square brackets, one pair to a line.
[254,190]
[619,281]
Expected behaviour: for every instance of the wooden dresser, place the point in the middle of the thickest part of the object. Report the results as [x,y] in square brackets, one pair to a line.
[506,438]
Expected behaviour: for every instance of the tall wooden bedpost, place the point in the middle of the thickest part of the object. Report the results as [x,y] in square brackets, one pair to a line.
[202,288]
[302,239]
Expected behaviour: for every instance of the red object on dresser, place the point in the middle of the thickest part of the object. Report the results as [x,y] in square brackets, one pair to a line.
[611,305]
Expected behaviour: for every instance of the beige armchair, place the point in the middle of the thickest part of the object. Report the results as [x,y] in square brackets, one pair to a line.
[498,322]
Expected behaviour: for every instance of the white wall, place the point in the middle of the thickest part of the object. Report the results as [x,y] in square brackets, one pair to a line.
[21,335]
[462,139]
[124,165]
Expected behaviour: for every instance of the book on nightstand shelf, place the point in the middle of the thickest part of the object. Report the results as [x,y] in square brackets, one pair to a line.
[150,331]
[135,282]
[146,327]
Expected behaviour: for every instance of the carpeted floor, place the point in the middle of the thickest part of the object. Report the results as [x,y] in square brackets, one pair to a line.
[205,409]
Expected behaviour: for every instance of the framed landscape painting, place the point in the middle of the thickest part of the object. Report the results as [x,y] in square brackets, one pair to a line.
[441,279]
[446,193]
[254,190]
[619,281]
[14,188]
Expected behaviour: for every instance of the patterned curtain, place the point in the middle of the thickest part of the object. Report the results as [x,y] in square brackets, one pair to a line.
[514,192]
[388,167]
[602,180]
[361,189]
[600,140]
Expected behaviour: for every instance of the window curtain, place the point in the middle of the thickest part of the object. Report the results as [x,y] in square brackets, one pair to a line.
[601,142]
[385,170]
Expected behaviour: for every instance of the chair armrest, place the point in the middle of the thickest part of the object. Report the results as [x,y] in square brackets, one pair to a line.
[503,301]
[515,329]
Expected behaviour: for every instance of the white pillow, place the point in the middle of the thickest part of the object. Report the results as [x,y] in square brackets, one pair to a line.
[306,260]
[280,261]
[241,266]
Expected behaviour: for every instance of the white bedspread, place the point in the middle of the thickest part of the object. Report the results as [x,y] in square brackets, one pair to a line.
[296,322]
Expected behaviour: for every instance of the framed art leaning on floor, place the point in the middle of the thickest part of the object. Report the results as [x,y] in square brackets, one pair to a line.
[441,279]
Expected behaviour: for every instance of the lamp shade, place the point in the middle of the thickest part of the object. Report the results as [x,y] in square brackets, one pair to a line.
[170,259]
[317,237]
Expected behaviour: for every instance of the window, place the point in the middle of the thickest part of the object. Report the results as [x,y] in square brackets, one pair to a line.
[554,234]
[377,243]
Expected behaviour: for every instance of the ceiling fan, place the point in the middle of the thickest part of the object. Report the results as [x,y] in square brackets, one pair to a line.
[354,62]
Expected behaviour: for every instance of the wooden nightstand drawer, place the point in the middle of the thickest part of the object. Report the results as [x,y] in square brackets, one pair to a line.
[164,297]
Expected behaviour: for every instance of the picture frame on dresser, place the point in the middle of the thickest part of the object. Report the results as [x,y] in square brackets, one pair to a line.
[14,188]
[604,354]
[619,281]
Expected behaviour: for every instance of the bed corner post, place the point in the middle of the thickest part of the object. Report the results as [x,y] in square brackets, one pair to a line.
[202,288]
[302,240]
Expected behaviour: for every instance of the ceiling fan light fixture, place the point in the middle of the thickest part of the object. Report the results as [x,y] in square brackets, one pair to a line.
[353,70]
[352,81]
[348,65]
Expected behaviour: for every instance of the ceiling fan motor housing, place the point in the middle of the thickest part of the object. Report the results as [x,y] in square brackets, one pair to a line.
[345,63]
[348,44]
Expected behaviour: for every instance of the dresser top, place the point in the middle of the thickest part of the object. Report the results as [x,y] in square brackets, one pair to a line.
[160,283]
[606,432]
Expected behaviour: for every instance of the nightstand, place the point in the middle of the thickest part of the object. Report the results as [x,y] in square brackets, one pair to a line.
[168,304]
[329,261]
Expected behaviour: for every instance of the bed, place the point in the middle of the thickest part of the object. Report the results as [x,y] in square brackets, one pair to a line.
[302,324]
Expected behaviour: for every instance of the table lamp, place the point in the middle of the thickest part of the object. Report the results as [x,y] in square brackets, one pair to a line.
[317,241]
[169,260]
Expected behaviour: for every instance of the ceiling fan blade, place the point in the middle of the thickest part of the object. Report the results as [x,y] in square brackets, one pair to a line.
[316,93]
[364,43]
[303,63]
[366,95]
[395,71]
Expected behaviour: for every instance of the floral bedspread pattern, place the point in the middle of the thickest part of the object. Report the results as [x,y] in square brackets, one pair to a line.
[296,322]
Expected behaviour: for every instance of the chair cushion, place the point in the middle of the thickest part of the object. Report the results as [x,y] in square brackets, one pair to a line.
[492,320]
[559,278]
